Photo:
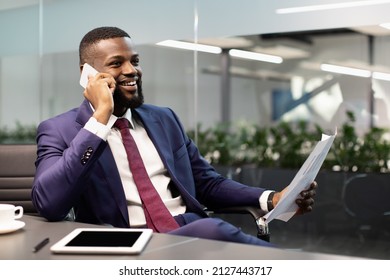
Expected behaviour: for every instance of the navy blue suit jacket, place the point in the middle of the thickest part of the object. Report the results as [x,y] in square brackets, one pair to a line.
[76,169]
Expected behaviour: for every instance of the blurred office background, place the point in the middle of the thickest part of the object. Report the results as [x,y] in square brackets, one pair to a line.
[39,74]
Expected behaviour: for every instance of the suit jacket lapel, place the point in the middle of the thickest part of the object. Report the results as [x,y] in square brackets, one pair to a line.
[155,129]
[108,165]
[112,179]
[84,113]
[157,133]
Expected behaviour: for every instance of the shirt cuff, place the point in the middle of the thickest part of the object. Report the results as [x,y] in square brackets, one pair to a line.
[97,128]
[264,199]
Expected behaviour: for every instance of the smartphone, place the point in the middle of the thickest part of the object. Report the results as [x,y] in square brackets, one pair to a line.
[87,70]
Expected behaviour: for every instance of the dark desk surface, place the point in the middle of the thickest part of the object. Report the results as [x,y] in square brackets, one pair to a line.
[18,246]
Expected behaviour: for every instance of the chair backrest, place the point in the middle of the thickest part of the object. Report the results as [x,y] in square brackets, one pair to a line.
[17,170]
[367,196]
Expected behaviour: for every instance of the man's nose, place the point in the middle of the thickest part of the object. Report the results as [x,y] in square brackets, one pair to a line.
[128,68]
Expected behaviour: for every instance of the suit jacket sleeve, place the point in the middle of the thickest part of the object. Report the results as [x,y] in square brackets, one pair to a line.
[198,177]
[65,157]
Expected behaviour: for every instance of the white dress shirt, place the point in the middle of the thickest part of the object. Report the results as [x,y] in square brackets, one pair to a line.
[153,164]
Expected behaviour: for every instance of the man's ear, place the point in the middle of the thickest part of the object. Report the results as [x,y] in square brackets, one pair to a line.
[81,68]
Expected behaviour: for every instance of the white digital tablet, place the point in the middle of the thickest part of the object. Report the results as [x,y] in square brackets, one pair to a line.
[103,241]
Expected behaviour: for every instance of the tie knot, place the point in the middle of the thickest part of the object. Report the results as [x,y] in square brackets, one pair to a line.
[122,123]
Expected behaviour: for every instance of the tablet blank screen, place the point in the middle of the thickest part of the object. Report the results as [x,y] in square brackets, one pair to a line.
[104,239]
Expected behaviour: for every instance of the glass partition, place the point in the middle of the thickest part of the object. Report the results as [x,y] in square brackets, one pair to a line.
[19,73]
[39,76]
[39,65]
[300,88]
[39,70]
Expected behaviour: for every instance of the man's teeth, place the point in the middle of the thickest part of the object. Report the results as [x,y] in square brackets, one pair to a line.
[129,83]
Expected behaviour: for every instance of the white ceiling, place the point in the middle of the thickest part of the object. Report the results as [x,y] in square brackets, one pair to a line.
[150,21]
[13,4]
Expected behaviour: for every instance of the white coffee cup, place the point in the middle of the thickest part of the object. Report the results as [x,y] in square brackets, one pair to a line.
[8,213]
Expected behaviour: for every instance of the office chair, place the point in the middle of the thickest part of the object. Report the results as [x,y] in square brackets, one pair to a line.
[17,171]
[262,228]
[366,199]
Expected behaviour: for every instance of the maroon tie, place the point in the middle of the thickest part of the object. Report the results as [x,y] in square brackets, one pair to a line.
[157,215]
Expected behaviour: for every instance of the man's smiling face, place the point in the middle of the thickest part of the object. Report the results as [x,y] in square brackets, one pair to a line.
[118,58]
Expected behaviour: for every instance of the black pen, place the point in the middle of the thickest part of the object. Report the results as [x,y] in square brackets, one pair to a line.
[41,244]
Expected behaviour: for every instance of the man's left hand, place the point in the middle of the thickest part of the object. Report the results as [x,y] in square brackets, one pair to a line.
[306,200]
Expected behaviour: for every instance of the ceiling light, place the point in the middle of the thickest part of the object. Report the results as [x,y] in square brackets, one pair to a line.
[381,76]
[227,42]
[373,30]
[330,6]
[346,70]
[385,25]
[190,46]
[255,56]
[285,52]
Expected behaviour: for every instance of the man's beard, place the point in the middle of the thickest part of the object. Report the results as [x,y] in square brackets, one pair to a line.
[134,102]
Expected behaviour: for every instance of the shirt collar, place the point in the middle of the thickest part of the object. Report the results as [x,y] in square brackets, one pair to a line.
[126,115]
[113,118]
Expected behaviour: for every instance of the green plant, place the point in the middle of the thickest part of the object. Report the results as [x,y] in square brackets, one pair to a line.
[283,145]
[287,145]
[293,142]
[366,153]
[215,143]
[20,134]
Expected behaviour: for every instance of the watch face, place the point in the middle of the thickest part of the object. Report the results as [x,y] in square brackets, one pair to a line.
[270,205]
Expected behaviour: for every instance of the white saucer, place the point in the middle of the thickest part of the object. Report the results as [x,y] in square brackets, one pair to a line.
[15,225]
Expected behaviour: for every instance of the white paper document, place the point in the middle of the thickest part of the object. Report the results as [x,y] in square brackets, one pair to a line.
[287,207]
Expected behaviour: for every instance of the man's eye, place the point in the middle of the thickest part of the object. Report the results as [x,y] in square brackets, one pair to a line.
[135,61]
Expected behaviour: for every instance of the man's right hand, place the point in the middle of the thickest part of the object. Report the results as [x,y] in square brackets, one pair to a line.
[99,92]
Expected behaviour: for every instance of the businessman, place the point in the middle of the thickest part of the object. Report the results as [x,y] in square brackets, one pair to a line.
[84,163]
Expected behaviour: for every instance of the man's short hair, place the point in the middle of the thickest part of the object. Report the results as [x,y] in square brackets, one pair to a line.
[94,36]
